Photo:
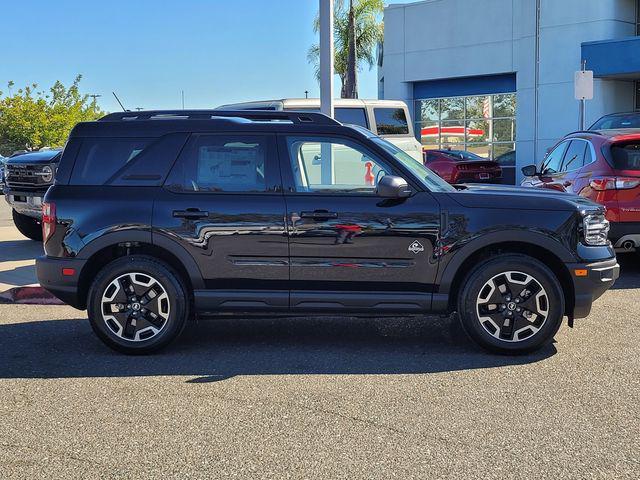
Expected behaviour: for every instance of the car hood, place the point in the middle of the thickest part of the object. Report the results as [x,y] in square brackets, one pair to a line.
[35,158]
[520,198]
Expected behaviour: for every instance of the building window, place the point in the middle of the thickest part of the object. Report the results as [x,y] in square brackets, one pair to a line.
[482,124]
[637,17]
[637,94]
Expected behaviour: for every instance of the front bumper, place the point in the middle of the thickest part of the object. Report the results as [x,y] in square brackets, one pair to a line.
[64,287]
[26,203]
[600,276]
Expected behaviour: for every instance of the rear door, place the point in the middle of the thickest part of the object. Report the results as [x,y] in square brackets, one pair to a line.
[348,247]
[223,203]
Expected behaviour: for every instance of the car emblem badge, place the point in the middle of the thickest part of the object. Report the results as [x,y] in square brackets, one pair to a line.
[416,247]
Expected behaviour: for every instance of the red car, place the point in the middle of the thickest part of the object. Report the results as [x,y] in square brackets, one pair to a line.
[460,166]
[604,166]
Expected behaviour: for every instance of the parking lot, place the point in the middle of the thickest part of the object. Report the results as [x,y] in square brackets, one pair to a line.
[316,398]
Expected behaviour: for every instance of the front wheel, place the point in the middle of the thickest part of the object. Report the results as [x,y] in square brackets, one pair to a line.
[137,304]
[28,226]
[511,304]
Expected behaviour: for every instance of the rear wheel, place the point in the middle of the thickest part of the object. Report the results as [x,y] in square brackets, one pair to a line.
[137,305]
[28,226]
[512,304]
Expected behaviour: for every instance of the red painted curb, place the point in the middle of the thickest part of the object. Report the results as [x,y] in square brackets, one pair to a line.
[29,296]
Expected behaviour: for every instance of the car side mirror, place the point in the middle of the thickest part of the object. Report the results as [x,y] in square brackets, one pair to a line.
[391,186]
[530,171]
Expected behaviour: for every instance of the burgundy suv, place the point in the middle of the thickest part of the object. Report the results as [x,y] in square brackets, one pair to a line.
[604,166]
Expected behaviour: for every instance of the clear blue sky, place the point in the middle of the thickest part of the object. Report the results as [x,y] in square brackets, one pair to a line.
[147,51]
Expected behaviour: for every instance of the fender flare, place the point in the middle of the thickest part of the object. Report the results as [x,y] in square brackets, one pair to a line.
[535,239]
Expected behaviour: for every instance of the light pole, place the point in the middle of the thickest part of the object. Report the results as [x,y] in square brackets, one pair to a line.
[326,57]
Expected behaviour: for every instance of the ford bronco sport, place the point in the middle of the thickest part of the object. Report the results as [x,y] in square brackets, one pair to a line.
[158,216]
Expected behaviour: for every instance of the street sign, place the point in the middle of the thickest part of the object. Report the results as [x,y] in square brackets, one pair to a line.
[583,82]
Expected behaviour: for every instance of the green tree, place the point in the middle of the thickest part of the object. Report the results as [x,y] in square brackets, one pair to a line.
[356,24]
[32,119]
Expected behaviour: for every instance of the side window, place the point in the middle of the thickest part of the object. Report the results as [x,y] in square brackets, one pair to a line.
[99,158]
[352,116]
[552,163]
[391,121]
[574,157]
[588,156]
[221,163]
[333,166]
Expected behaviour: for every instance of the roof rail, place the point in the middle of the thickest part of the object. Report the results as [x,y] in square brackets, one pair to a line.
[256,115]
[592,132]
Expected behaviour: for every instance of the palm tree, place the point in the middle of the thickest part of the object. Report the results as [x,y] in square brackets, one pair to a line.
[357,31]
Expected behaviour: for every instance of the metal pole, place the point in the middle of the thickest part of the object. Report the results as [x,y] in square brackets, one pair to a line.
[326,57]
[326,84]
[582,101]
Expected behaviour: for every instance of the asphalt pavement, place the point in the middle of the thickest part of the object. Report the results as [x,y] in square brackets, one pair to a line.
[321,398]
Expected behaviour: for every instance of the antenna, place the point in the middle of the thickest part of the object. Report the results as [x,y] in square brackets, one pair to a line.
[123,109]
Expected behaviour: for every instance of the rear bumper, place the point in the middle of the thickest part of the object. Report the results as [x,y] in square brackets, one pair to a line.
[620,232]
[600,277]
[64,287]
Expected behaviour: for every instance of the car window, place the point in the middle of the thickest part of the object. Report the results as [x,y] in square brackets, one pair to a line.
[631,120]
[99,158]
[352,116]
[334,165]
[221,163]
[626,155]
[552,163]
[574,156]
[391,121]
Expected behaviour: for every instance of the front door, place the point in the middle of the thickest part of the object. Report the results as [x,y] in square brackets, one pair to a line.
[348,247]
[223,203]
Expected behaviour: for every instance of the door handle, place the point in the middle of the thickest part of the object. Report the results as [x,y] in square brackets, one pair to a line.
[191,213]
[319,215]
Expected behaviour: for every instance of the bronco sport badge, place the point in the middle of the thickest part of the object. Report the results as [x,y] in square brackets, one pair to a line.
[416,247]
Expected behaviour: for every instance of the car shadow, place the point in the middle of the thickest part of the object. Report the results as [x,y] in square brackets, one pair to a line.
[214,350]
[18,276]
[13,250]
[629,271]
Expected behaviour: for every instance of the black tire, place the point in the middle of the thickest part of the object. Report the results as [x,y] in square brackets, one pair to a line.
[28,226]
[483,308]
[115,329]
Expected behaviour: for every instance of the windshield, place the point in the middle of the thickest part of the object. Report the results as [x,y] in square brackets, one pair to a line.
[613,122]
[429,179]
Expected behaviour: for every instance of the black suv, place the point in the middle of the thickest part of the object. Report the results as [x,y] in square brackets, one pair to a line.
[157,216]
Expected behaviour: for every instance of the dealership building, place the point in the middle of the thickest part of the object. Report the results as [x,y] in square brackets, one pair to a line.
[497,76]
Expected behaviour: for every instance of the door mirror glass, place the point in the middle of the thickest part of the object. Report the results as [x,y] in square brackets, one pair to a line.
[391,186]
[529,171]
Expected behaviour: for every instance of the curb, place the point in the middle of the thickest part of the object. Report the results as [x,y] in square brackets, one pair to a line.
[32,295]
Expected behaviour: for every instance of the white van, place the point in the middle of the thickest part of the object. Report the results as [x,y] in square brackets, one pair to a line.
[389,119]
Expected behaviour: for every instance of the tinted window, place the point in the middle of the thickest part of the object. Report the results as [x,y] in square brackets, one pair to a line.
[626,156]
[391,121]
[631,120]
[574,157]
[221,163]
[352,116]
[345,168]
[99,158]
[552,163]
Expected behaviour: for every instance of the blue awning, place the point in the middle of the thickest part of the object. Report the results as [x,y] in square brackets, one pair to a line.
[613,58]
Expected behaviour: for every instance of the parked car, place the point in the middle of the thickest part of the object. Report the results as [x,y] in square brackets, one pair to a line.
[460,166]
[155,216]
[27,178]
[617,121]
[603,166]
[2,161]
[389,119]
[507,162]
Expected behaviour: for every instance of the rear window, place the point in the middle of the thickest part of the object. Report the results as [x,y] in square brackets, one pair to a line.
[626,156]
[352,116]
[100,158]
[613,122]
[391,121]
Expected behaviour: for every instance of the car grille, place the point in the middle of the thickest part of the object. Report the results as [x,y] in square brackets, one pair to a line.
[25,177]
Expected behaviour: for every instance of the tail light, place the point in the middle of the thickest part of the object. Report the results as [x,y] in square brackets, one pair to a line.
[48,220]
[614,183]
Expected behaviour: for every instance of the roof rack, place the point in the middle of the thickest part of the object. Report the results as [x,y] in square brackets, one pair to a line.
[255,115]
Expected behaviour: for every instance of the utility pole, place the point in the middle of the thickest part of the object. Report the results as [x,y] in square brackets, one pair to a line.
[94,96]
[326,85]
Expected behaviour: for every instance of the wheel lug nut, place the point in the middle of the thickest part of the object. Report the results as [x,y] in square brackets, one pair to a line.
[518,309]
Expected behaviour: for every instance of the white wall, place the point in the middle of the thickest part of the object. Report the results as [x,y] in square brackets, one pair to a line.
[436,39]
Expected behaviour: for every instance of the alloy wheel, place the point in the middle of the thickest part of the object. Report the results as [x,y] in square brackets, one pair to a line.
[512,306]
[135,307]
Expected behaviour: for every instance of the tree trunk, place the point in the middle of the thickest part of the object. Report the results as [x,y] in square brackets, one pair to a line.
[350,89]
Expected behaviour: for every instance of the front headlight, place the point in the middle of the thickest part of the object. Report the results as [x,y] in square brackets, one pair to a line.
[595,229]
[47,174]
